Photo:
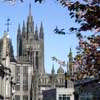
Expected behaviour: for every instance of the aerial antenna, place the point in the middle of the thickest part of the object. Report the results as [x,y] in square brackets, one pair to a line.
[8,24]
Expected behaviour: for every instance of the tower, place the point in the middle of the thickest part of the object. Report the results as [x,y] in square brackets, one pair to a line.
[70,64]
[30,43]
[19,42]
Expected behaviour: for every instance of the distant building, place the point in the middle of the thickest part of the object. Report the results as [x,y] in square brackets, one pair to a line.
[59,94]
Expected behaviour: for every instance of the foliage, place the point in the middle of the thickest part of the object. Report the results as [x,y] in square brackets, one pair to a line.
[88,57]
[86,13]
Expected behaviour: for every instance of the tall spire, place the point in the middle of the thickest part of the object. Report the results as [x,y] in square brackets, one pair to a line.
[70,56]
[41,31]
[53,70]
[23,28]
[19,30]
[70,65]
[30,10]
[30,22]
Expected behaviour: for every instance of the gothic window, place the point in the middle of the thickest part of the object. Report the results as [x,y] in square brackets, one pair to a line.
[68,98]
[17,97]
[25,97]
[36,59]
[17,77]
[17,87]
[60,97]
[25,87]
[17,70]
[64,97]
[25,78]
[25,70]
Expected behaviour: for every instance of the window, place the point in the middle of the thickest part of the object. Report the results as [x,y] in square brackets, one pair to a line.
[25,78]
[17,74]
[68,98]
[60,98]
[25,69]
[17,69]
[17,87]
[25,97]
[36,59]
[64,97]
[25,87]
[17,77]
[17,97]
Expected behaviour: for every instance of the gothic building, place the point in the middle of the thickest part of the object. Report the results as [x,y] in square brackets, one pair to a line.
[30,72]
[7,67]
[30,56]
[27,70]
[30,44]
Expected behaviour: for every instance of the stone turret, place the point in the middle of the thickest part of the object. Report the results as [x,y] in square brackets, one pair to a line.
[19,42]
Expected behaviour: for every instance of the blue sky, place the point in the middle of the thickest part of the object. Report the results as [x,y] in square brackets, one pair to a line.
[52,15]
